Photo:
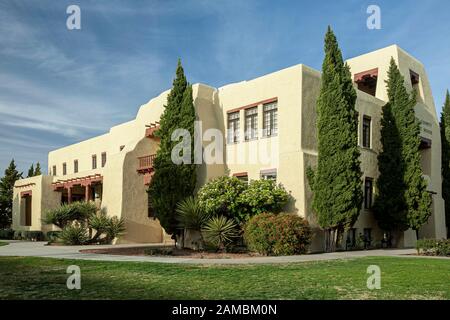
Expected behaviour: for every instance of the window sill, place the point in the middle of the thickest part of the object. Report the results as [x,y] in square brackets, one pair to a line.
[271,136]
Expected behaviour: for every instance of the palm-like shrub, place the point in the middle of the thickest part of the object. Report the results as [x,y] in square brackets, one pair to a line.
[98,222]
[219,231]
[84,209]
[74,234]
[59,216]
[76,218]
[191,215]
[116,228]
[67,213]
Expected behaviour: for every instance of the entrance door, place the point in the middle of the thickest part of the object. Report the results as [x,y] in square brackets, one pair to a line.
[28,210]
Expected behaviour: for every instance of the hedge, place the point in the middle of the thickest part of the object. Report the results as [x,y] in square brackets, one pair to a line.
[282,234]
[6,234]
[433,247]
[29,235]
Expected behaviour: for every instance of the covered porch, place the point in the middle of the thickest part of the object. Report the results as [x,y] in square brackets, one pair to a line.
[88,188]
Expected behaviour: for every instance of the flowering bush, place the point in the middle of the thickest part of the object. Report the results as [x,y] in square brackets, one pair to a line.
[282,234]
[235,199]
[264,196]
[221,197]
[433,247]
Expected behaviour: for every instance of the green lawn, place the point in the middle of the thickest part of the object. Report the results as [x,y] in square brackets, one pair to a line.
[2,243]
[402,278]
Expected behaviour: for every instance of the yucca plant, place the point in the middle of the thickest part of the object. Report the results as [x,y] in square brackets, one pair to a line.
[115,228]
[100,223]
[67,213]
[84,209]
[219,231]
[190,214]
[59,216]
[74,234]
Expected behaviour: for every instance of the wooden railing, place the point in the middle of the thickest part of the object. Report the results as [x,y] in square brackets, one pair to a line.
[146,163]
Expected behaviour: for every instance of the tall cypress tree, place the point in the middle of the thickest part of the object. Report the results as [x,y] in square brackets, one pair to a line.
[31,171]
[336,183]
[389,208]
[6,194]
[173,182]
[445,145]
[417,199]
[37,170]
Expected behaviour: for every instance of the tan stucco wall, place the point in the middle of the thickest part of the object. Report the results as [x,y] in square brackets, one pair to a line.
[42,199]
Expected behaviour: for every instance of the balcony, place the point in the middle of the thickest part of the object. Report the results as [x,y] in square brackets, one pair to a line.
[145,164]
[150,131]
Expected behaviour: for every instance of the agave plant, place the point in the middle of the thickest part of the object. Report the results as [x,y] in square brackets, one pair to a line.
[74,234]
[100,223]
[67,213]
[116,228]
[190,215]
[220,231]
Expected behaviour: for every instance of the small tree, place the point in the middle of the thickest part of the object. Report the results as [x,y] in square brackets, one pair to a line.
[6,194]
[173,182]
[445,142]
[336,183]
[37,170]
[31,171]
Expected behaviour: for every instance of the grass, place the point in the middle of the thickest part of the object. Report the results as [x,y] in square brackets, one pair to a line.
[402,278]
[3,243]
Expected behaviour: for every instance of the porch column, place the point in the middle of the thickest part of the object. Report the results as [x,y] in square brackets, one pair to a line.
[69,194]
[87,192]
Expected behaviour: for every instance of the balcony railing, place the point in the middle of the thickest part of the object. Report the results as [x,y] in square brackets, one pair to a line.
[146,163]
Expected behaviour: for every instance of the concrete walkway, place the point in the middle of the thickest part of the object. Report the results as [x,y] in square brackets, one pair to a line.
[40,249]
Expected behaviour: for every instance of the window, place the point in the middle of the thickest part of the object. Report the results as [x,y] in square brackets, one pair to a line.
[269,174]
[233,127]
[75,166]
[270,119]
[54,170]
[64,169]
[94,161]
[251,123]
[366,131]
[243,176]
[368,191]
[103,159]
[415,80]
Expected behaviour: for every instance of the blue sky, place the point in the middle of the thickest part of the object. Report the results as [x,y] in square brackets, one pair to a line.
[59,87]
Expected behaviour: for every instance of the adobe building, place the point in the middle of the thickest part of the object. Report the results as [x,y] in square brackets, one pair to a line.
[269,132]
